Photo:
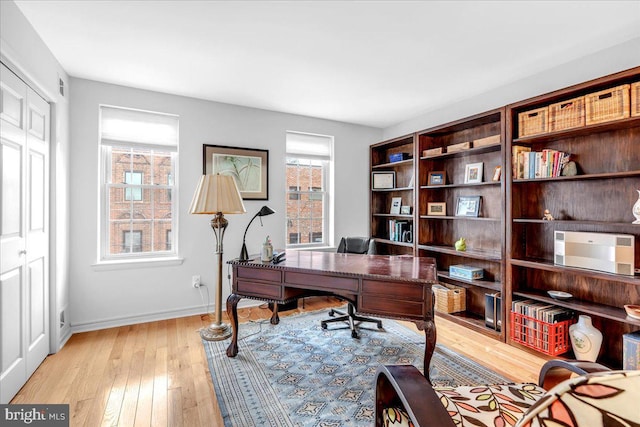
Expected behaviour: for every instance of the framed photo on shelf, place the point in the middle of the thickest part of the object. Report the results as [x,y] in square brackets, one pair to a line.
[250,168]
[437,208]
[468,206]
[405,210]
[396,202]
[497,171]
[383,180]
[473,173]
[437,178]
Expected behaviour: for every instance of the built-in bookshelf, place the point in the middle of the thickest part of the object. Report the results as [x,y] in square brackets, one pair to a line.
[510,237]
[392,180]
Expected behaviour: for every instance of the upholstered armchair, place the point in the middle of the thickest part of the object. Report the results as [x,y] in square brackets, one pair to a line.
[569,393]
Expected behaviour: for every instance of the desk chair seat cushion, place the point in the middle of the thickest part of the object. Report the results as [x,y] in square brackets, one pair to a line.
[594,400]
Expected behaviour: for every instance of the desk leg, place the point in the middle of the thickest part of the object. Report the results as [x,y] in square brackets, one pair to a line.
[429,346]
[232,312]
[275,319]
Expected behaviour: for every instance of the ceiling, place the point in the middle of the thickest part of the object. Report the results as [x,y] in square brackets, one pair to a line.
[374,63]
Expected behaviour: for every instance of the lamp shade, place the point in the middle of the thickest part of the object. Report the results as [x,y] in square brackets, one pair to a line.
[217,193]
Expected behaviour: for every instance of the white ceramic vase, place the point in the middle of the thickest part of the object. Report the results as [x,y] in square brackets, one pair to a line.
[636,209]
[585,339]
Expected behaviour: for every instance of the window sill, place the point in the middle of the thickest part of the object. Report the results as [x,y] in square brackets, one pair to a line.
[136,263]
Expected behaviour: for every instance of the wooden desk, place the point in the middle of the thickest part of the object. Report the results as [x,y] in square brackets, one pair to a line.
[397,287]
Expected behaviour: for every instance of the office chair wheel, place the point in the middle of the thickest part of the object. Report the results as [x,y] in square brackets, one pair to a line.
[354,334]
[323,325]
[331,313]
[379,325]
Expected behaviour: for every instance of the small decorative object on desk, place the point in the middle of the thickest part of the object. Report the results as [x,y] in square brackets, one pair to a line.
[547,215]
[585,339]
[267,250]
[636,210]
[461,245]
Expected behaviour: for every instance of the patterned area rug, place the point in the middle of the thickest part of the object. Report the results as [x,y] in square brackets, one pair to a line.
[298,374]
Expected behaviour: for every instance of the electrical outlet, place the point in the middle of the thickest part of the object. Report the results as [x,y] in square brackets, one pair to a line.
[195,281]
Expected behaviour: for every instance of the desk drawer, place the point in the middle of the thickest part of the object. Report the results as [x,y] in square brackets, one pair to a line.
[256,289]
[391,307]
[318,281]
[403,291]
[260,274]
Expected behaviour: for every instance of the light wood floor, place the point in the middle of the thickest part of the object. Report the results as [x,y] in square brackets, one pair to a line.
[156,374]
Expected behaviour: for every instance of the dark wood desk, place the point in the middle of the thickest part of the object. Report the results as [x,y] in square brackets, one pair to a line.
[397,287]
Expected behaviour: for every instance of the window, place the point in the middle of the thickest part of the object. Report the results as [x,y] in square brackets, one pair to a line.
[309,186]
[132,241]
[133,193]
[138,203]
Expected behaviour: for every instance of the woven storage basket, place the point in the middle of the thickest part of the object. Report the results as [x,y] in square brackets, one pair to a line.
[567,114]
[607,105]
[449,298]
[635,99]
[533,122]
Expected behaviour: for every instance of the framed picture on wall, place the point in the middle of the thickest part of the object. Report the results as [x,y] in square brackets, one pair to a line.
[249,166]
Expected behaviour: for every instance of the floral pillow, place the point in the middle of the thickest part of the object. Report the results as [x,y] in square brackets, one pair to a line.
[596,400]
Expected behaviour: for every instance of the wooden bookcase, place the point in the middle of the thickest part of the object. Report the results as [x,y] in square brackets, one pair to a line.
[484,233]
[598,199]
[381,198]
[509,239]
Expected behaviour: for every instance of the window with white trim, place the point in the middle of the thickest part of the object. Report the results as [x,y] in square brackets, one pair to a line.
[309,172]
[138,200]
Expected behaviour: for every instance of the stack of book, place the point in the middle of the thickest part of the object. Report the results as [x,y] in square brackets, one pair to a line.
[398,229]
[529,164]
[536,325]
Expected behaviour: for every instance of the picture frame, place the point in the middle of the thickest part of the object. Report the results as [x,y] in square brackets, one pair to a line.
[473,173]
[405,210]
[436,208]
[249,166]
[383,180]
[497,171]
[468,206]
[437,178]
[396,202]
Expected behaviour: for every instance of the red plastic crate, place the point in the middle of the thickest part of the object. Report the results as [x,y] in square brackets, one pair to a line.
[547,338]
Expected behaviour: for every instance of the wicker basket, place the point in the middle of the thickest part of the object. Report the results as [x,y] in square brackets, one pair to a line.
[607,105]
[567,114]
[635,99]
[449,298]
[533,122]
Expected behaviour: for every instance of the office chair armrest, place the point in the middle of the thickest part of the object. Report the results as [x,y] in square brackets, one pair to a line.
[556,371]
[404,386]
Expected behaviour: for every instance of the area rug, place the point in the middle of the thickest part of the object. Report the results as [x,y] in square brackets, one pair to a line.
[298,374]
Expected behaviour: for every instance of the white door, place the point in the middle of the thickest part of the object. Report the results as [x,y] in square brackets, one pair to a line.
[24,232]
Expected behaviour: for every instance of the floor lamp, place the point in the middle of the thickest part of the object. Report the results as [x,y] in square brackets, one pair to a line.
[217,195]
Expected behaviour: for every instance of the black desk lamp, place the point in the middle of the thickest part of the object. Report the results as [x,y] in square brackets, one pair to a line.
[266,210]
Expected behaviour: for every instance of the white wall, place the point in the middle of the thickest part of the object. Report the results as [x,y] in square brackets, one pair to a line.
[608,61]
[102,298]
[25,53]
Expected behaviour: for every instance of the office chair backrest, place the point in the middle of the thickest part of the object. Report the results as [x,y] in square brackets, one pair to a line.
[356,245]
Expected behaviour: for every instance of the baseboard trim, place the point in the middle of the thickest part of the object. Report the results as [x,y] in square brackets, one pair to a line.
[144,318]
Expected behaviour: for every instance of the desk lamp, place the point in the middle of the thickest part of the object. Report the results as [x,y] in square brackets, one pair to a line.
[266,210]
[218,195]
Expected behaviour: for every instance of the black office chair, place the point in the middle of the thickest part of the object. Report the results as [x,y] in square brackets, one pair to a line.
[353,245]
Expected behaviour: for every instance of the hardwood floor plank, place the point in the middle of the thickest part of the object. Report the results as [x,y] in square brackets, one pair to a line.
[156,374]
